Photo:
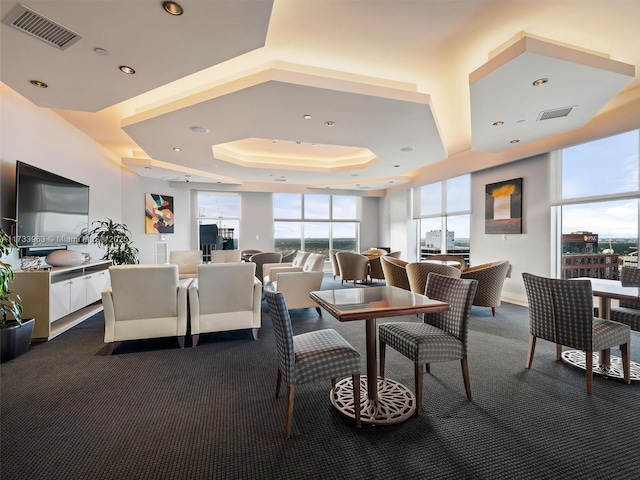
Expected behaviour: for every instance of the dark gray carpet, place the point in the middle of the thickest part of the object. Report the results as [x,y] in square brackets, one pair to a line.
[153,411]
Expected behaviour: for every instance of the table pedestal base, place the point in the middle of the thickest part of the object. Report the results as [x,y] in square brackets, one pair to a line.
[576,358]
[395,402]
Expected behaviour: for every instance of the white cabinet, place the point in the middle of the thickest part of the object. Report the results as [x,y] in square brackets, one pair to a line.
[61,297]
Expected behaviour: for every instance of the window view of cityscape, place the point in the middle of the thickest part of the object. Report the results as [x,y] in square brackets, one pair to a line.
[600,236]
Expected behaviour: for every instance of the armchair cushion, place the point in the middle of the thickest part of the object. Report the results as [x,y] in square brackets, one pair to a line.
[187,262]
[225,256]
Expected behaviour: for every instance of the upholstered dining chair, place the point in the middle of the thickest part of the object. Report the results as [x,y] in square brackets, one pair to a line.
[353,266]
[628,312]
[490,277]
[395,272]
[288,256]
[309,357]
[417,273]
[144,301]
[453,258]
[246,254]
[264,257]
[187,262]
[395,254]
[441,338]
[561,311]
[375,268]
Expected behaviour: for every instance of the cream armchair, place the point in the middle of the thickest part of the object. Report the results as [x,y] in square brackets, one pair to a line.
[297,282]
[224,297]
[144,301]
[225,256]
[187,262]
[298,262]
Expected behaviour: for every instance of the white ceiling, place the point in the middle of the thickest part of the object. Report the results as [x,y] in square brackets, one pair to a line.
[413,87]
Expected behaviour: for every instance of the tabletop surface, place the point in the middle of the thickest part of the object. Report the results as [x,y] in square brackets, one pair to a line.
[612,289]
[375,302]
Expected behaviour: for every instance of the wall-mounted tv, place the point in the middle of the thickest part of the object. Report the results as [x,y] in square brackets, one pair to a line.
[51,210]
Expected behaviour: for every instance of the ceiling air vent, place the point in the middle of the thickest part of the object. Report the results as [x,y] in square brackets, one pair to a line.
[280,180]
[39,26]
[555,113]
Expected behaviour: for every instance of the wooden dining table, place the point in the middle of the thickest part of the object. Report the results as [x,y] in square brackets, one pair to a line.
[606,365]
[386,401]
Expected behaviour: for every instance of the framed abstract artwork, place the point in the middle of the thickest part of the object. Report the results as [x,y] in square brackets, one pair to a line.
[503,207]
[158,213]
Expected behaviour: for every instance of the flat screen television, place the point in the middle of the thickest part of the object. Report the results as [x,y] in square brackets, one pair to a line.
[51,210]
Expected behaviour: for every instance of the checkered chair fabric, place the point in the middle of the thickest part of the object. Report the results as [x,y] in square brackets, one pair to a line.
[417,273]
[561,311]
[312,356]
[629,311]
[304,358]
[395,272]
[375,268]
[443,335]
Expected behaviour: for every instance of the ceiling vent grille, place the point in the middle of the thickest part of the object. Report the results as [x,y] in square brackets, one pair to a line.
[555,113]
[280,180]
[39,26]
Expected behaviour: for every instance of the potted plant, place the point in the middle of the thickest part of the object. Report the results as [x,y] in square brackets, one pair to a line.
[115,238]
[15,333]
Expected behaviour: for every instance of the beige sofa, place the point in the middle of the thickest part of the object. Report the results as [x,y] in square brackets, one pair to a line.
[224,297]
[144,301]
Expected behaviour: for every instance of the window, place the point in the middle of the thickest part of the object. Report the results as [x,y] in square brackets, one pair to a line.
[598,207]
[315,223]
[445,207]
[223,210]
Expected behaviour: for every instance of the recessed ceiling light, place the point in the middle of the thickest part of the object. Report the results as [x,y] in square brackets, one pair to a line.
[540,81]
[498,124]
[355,174]
[101,51]
[199,129]
[514,141]
[307,117]
[330,123]
[274,141]
[314,144]
[172,8]
[520,121]
[390,181]
[298,142]
[147,168]
[407,149]
[127,70]
[176,149]
[396,166]
[38,83]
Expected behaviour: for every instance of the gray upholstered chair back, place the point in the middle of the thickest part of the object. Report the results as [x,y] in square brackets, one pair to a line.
[284,335]
[265,257]
[458,293]
[630,277]
[560,311]
[417,273]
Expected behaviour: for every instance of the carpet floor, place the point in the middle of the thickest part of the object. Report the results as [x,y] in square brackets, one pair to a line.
[153,411]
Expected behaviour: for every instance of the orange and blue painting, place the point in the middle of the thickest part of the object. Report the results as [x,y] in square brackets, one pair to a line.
[503,207]
[158,213]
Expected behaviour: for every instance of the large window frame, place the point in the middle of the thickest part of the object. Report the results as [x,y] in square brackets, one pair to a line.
[310,214]
[567,196]
[225,214]
[436,207]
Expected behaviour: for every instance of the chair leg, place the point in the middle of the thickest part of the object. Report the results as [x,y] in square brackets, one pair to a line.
[319,311]
[465,377]
[194,340]
[493,311]
[383,349]
[427,367]
[278,383]
[418,374]
[289,415]
[588,356]
[532,348]
[558,351]
[110,347]
[355,379]
[626,363]
[333,384]
[181,341]
[254,332]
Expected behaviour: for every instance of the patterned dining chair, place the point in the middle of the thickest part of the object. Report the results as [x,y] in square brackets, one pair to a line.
[309,357]
[395,272]
[417,272]
[628,312]
[454,258]
[441,338]
[561,311]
